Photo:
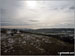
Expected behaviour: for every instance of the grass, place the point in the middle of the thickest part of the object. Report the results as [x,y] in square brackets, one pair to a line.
[48,46]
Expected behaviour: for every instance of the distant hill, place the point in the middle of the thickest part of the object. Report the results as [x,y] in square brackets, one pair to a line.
[46,30]
[55,30]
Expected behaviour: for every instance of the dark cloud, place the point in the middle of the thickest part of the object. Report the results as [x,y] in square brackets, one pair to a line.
[14,24]
[73,8]
[63,26]
[33,20]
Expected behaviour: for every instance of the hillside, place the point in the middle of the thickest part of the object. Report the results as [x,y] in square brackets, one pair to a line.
[27,43]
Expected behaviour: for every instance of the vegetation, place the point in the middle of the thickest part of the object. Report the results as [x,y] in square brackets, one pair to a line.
[20,42]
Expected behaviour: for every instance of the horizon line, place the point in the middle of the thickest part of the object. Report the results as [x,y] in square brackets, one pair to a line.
[30,27]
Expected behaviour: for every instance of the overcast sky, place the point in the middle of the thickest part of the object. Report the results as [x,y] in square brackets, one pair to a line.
[37,14]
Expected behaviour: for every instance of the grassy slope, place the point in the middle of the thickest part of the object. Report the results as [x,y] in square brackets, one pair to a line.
[36,44]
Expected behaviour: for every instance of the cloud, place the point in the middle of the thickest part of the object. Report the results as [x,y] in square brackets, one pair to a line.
[73,8]
[44,14]
[33,20]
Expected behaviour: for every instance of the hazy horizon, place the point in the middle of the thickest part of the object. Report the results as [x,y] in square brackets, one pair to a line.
[22,27]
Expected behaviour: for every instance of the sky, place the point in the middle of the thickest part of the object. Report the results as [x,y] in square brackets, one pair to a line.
[37,14]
